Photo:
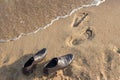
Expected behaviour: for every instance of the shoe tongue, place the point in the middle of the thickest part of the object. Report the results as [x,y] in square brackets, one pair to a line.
[52,63]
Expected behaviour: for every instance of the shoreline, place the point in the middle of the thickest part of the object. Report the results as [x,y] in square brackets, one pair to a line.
[94,42]
[57,18]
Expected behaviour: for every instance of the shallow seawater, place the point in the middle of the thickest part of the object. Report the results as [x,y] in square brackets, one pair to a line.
[23,17]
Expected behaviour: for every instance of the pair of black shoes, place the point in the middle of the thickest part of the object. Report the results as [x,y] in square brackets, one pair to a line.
[50,67]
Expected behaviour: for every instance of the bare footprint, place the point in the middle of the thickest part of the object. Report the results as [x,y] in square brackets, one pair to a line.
[77,41]
[82,32]
[78,38]
[74,40]
[79,18]
[90,34]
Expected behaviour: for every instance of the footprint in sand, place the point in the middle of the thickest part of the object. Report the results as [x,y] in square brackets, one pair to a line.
[82,32]
[90,34]
[78,38]
[74,40]
[80,18]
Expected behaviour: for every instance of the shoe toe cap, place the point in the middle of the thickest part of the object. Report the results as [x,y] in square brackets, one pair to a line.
[41,52]
[70,57]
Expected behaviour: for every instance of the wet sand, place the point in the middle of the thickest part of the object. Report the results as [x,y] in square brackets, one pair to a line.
[94,41]
[24,16]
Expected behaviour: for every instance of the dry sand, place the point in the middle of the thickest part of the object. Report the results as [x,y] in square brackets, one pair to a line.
[94,42]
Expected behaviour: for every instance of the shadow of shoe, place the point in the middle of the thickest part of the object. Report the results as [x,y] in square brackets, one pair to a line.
[14,70]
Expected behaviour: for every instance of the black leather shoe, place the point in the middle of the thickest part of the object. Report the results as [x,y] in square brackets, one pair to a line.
[30,65]
[58,63]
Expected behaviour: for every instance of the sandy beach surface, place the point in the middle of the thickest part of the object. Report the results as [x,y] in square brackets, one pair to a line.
[24,16]
[91,34]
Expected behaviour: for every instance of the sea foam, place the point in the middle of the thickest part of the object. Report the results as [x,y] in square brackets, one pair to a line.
[94,3]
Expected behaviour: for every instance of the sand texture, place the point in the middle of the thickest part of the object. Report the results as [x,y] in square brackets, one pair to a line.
[91,34]
[24,16]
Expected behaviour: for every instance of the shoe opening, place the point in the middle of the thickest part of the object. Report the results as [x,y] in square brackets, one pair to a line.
[29,62]
[52,63]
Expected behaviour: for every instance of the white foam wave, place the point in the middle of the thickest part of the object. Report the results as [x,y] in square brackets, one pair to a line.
[94,3]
